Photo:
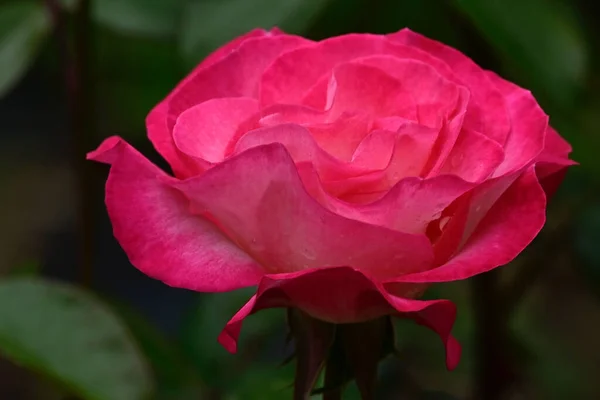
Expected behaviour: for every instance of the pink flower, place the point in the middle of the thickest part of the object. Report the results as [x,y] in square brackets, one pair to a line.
[341,177]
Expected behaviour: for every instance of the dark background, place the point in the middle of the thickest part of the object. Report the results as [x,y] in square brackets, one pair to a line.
[73,73]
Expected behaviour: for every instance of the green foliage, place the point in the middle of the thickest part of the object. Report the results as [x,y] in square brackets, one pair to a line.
[23,27]
[70,336]
[174,375]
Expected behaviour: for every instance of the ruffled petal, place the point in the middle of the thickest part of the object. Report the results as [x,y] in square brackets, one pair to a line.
[301,145]
[551,165]
[260,201]
[487,111]
[162,239]
[339,137]
[234,71]
[365,89]
[435,97]
[507,228]
[474,157]
[207,130]
[529,123]
[342,295]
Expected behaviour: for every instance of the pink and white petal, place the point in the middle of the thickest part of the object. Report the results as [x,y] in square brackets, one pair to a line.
[408,207]
[410,148]
[292,74]
[299,142]
[342,295]
[400,153]
[414,202]
[487,112]
[161,237]
[365,89]
[233,72]
[474,157]
[509,226]
[529,123]
[259,199]
[434,96]
[207,130]
[339,137]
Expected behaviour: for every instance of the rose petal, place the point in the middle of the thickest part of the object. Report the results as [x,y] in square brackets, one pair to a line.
[509,226]
[290,76]
[342,295]
[529,123]
[339,137]
[162,239]
[299,142]
[474,157]
[260,201]
[487,112]
[434,96]
[397,154]
[232,72]
[206,130]
[552,163]
[365,89]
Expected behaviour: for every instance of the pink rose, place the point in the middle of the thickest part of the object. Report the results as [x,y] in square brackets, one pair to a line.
[341,177]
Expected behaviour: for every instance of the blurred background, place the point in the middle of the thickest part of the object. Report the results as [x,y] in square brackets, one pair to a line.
[77,321]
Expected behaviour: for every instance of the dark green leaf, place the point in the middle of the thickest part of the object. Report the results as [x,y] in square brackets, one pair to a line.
[23,27]
[71,337]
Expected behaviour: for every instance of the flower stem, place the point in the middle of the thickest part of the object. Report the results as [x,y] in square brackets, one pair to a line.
[75,51]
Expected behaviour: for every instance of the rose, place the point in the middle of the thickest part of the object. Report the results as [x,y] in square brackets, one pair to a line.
[342,177]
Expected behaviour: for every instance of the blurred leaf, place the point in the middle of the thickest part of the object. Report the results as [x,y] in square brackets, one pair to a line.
[208,24]
[23,27]
[541,39]
[68,335]
[155,18]
[174,376]
[208,318]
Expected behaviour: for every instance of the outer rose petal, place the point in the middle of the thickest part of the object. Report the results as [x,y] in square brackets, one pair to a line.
[509,226]
[342,295]
[260,201]
[529,123]
[152,223]
[408,207]
[235,74]
[552,164]
[487,113]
